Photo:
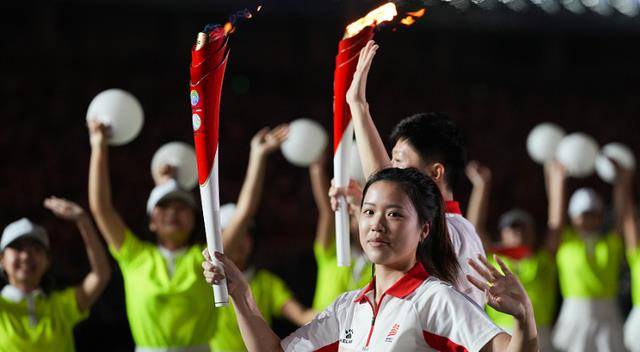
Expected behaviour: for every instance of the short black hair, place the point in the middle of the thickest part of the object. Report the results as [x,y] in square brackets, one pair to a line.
[436,138]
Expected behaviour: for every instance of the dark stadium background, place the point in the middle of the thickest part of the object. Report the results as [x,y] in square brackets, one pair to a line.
[498,73]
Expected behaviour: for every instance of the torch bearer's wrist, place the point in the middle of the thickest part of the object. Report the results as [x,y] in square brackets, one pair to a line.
[359,104]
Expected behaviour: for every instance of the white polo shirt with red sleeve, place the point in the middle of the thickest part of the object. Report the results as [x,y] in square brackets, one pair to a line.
[418,313]
[466,245]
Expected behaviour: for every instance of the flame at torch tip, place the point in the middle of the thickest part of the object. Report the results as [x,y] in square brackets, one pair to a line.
[228,28]
[407,21]
[259,8]
[381,14]
[417,14]
[411,18]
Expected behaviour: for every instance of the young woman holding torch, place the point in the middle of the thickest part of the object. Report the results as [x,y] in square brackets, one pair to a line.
[410,304]
[35,320]
[168,306]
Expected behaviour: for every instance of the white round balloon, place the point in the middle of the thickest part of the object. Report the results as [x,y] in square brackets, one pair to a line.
[307,140]
[226,214]
[618,152]
[578,152]
[543,141]
[121,111]
[355,165]
[182,157]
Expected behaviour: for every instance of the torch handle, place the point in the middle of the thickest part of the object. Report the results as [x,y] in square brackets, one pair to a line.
[343,238]
[341,179]
[211,213]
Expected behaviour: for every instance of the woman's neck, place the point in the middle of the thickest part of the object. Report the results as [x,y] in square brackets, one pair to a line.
[25,287]
[172,245]
[386,276]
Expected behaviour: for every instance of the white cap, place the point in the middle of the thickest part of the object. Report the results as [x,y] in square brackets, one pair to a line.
[584,200]
[23,228]
[169,189]
[514,217]
[226,214]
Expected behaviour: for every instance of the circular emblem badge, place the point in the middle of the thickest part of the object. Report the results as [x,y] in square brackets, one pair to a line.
[195,119]
[195,98]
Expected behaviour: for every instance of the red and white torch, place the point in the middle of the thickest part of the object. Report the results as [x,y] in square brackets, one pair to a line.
[357,34]
[208,62]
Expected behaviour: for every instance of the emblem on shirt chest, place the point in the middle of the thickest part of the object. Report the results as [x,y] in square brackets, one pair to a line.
[392,333]
[348,336]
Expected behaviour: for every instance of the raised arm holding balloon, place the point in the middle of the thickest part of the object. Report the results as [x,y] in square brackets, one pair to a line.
[107,218]
[265,142]
[175,161]
[588,260]
[156,301]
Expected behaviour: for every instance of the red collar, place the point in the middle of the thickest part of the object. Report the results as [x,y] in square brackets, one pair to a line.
[516,253]
[452,207]
[403,287]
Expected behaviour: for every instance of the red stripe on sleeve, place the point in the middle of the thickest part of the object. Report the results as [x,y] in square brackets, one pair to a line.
[329,348]
[442,343]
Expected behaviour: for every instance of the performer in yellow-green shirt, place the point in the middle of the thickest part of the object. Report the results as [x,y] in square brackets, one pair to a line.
[168,305]
[332,280]
[632,325]
[531,259]
[272,296]
[30,318]
[589,263]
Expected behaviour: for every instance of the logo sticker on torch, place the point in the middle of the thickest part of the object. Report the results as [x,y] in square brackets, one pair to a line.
[196,122]
[195,98]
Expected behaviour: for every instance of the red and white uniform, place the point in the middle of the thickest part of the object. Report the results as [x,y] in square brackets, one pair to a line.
[466,245]
[417,313]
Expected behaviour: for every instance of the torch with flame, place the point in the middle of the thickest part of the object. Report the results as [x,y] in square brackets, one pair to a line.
[357,34]
[208,62]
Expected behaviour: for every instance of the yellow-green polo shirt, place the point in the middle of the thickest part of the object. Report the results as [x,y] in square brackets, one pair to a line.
[52,330]
[163,310]
[589,271]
